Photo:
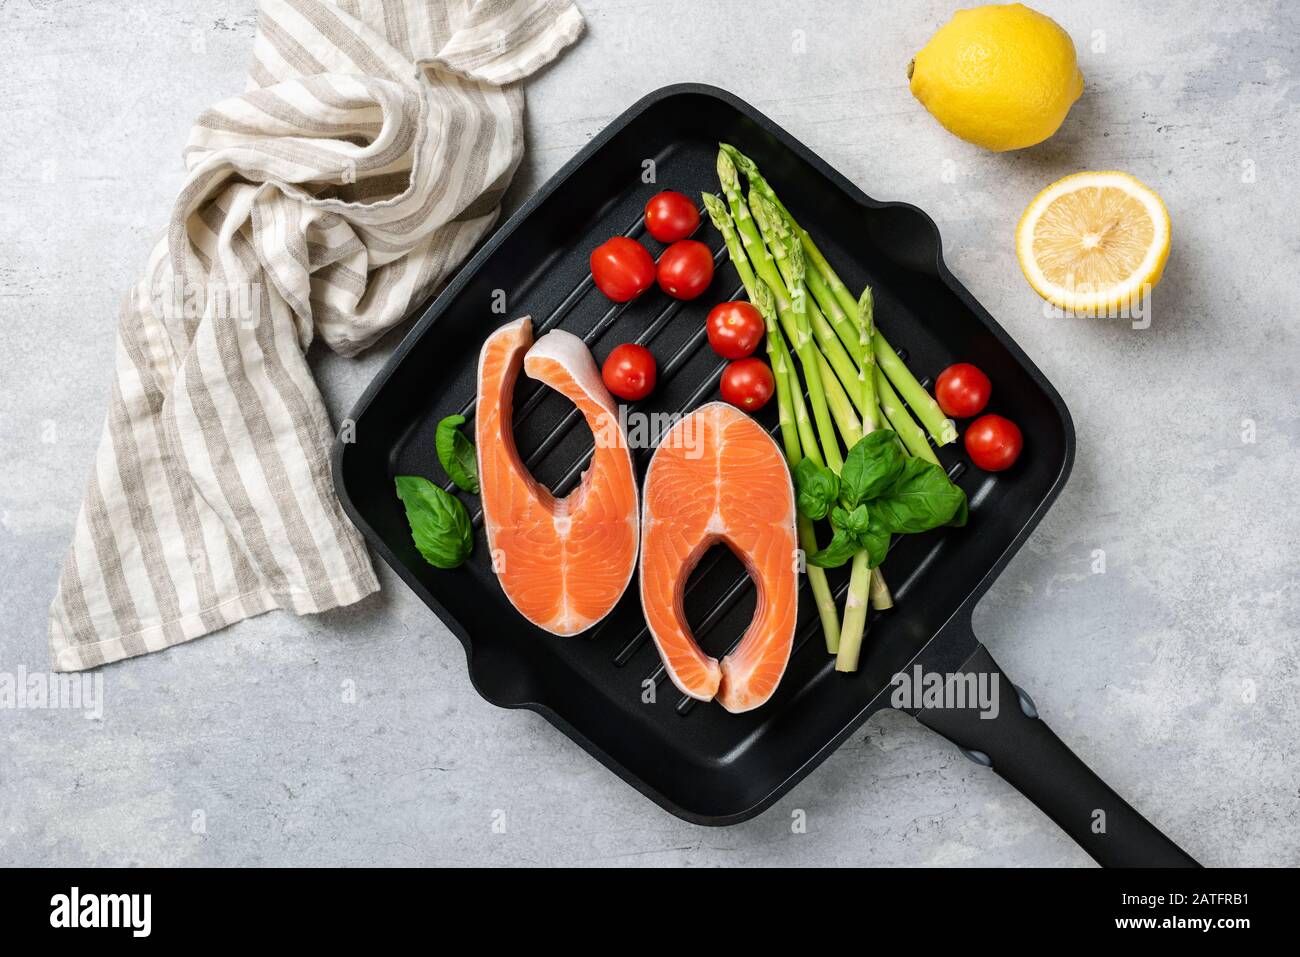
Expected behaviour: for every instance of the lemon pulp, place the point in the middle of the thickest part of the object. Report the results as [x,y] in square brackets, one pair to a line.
[1094,241]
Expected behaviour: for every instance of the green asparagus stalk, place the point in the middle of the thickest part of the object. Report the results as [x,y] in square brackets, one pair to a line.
[787,253]
[848,353]
[867,360]
[881,599]
[890,406]
[866,585]
[913,435]
[724,224]
[790,311]
[787,386]
[757,181]
[941,428]
[837,399]
[788,256]
[841,406]
[790,407]
[871,417]
[855,614]
[796,413]
[834,312]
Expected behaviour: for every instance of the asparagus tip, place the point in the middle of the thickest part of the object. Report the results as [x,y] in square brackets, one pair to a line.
[866,302]
[717,211]
[743,162]
[726,169]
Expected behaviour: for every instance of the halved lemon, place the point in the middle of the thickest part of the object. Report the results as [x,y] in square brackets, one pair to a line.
[1094,243]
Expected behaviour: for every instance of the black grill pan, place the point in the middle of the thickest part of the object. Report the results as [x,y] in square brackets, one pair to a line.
[696,760]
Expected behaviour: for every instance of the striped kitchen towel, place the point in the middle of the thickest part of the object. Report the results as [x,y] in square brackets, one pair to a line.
[367,156]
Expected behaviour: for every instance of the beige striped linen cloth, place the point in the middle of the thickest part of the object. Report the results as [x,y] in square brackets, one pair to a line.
[367,156]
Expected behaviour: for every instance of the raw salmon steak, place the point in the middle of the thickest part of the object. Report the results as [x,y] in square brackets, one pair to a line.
[717,476]
[563,563]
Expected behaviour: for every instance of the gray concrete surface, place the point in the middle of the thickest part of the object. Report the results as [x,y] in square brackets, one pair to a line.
[1173,672]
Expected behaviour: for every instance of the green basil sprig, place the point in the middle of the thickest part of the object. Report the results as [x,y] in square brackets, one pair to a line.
[456,453]
[440,524]
[881,492]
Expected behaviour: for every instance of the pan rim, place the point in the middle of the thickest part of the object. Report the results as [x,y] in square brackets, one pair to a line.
[434,310]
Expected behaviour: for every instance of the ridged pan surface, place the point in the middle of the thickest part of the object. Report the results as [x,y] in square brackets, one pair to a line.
[606,688]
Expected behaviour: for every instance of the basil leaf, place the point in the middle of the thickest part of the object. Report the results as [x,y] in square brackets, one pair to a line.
[847,540]
[921,498]
[456,453]
[871,466]
[842,547]
[816,487]
[876,541]
[439,522]
[853,522]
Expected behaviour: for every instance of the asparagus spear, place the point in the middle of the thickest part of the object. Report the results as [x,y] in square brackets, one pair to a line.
[791,313]
[913,435]
[790,406]
[881,599]
[796,410]
[757,181]
[844,331]
[855,614]
[857,339]
[865,584]
[871,417]
[941,428]
[788,255]
[867,360]
[787,387]
[834,312]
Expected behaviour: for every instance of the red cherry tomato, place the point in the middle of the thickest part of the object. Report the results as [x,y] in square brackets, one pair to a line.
[670,216]
[622,268]
[686,269]
[748,384]
[994,443]
[630,372]
[962,390]
[735,329]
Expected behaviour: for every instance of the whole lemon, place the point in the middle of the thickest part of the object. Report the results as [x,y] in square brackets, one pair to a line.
[1001,77]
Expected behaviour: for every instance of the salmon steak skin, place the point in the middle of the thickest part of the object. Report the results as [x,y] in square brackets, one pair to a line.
[563,563]
[717,477]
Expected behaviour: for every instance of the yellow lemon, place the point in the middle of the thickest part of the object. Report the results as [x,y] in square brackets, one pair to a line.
[1094,243]
[1001,77]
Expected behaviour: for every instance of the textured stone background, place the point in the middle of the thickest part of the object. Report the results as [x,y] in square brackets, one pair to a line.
[1174,673]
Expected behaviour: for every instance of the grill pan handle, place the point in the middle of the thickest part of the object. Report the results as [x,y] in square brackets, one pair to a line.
[1020,747]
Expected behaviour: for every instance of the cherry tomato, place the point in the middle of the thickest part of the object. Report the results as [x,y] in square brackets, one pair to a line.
[735,329]
[622,268]
[670,216]
[748,384]
[686,269]
[994,443]
[962,390]
[630,372]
